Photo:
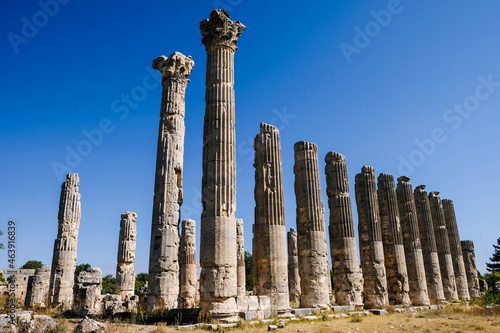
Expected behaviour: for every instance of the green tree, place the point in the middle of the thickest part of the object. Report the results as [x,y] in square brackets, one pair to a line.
[248,271]
[32,264]
[140,281]
[108,284]
[494,265]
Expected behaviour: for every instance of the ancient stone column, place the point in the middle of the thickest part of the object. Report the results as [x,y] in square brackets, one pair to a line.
[189,280]
[163,278]
[311,236]
[456,250]
[346,273]
[240,258]
[64,258]
[370,240]
[125,274]
[269,231]
[411,239]
[293,269]
[429,248]
[88,289]
[443,247]
[40,287]
[392,238]
[470,267]
[218,279]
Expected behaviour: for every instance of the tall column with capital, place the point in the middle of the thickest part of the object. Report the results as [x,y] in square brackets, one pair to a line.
[62,276]
[443,247]
[370,240]
[456,250]
[346,273]
[411,239]
[311,236]
[218,285]
[429,248]
[163,281]
[269,231]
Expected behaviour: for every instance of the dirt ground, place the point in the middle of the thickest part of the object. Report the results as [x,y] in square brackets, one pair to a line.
[450,319]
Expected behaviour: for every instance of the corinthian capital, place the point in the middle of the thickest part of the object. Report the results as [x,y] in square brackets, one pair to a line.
[219,30]
[176,66]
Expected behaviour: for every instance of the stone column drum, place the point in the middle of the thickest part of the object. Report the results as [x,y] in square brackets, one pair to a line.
[88,290]
[240,258]
[40,287]
[125,274]
[411,239]
[429,248]
[370,240]
[311,236]
[443,247]
[456,250]
[163,281]
[346,273]
[64,259]
[293,269]
[189,280]
[218,285]
[392,238]
[269,231]
[470,267]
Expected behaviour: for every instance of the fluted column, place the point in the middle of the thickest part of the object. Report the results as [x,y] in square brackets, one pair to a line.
[346,273]
[269,231]
[189,280]
[64,257]
[125,274]
[218,280]
[392,237]
[163,282]
[370,240]
[429,248]
[240,258]
[311,236]
[470,267]
[411,239]
[293,269]
[456,250]
[443,247]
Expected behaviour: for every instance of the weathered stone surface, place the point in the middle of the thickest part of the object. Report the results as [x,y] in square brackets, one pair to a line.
[311,236]
[64,257]
[23,283]
[346,273]
[240,258]
[370,240]
[411,239]
[39,288]
[189,279]
[88,325]
[470,267]
[218,279]
[483,286]
[392,238]
[429,248]
[443,247]
[496,287]
[269,231]
[456,250]
[293,269]
[163,278]
[125,274]
[26,321]
[88,290]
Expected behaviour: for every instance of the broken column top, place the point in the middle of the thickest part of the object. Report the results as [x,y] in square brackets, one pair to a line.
[467,245]
[189,223]
[129,215]
[334,157]
[266,128]
[405,179]
[421,188]
[176,66]
[292,230]
[219,30]
[72,180]
[367,169]
[433,194]
[303,145]
[385,177]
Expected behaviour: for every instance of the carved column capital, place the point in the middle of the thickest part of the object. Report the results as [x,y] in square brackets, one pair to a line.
[219,30]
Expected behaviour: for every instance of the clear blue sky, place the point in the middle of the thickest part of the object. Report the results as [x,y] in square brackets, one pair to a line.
[303,66]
